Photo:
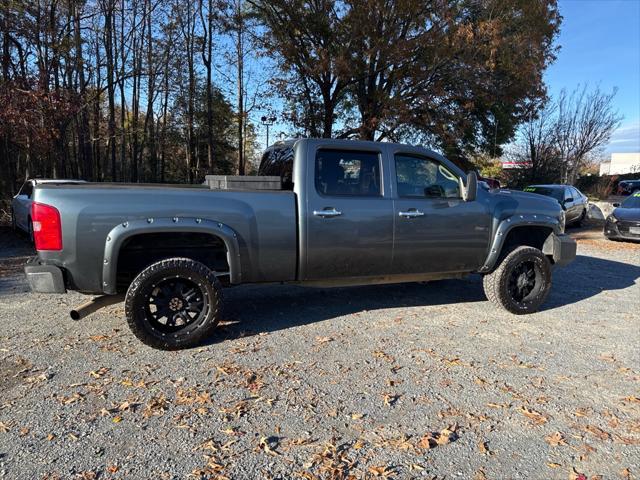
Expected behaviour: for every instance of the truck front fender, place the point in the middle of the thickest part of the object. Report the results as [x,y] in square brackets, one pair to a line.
[507,225]
[118,234]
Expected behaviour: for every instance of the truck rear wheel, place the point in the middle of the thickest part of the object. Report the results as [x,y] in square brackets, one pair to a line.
[173,304]
[521,282]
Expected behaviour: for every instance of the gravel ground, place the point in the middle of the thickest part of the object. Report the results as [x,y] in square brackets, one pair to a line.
[394,381]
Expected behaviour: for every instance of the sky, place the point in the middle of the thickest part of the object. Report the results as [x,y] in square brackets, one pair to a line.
[600,45]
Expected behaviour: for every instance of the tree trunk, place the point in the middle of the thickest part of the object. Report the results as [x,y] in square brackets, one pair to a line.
[240,86]
[149,119]
[111,123]
[85,153]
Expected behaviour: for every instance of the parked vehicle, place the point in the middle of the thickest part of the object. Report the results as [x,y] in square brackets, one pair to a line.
[628,187]
[491,182]
[21,203]
[572,200]
[351,213]
[624,221]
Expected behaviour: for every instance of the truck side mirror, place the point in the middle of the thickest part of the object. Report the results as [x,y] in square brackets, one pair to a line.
[470,190]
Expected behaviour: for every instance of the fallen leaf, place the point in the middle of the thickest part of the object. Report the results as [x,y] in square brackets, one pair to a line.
[99,373]
[447,435]
[575,475]
[625,474]
[536,417]
[479,475]
[498,405]
[322,340]
[155,407]
[553,465]
[383,472]
[555,439]
[263,445]
[390,400]
[484,448]
[597,432]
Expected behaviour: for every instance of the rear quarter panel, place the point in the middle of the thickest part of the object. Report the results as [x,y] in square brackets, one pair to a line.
[265,223]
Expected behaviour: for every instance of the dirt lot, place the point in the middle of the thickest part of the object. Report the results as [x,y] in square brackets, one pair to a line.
[396,381]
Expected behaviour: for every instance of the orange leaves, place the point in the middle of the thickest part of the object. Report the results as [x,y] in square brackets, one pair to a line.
[536,417]
[99,373]
[382,472]
[383,355]
[575,475]
[192,396]
[155,407]
[444,437]
[597,432]
[268,446]
[238,410]
[555,439]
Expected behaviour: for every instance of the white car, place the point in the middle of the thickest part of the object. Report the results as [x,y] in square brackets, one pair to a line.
[21,204]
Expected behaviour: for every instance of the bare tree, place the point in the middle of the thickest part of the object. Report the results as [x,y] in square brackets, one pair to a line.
[537,134]
[585,122]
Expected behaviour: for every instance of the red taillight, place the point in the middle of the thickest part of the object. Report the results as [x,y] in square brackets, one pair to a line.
[47,229]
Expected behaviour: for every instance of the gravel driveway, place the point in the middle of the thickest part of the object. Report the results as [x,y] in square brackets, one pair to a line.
[395,381]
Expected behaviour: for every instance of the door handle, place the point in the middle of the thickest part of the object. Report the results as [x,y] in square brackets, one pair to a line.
[411,214]
[327,213]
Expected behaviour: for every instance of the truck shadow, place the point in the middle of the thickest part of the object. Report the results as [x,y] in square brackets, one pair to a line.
[251,310]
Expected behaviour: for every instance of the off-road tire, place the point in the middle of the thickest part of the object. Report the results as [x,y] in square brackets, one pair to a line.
[138,301]
[498,285]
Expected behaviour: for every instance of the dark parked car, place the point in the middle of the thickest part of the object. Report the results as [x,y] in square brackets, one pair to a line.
[572,200]
[627,187]
[624,221]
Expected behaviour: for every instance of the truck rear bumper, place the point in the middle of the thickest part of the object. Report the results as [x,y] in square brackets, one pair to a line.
[44,278]
[561,247]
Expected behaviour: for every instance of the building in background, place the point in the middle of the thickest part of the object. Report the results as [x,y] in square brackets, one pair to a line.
[621,163]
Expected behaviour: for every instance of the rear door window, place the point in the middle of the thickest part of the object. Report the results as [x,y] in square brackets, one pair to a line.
[348,173]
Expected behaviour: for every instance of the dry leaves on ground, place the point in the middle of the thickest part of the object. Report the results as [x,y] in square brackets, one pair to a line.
[555,439]
[445,436]
[536,417]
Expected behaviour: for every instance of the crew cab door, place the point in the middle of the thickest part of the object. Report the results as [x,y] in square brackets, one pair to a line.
[348,224]
[435,229]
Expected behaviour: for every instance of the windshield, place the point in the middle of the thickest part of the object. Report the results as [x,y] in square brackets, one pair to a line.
[546,191]
[632,202]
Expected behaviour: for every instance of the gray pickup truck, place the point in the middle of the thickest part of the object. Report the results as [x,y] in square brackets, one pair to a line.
[348,213]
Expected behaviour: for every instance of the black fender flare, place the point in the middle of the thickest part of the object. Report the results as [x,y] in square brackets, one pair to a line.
[508,224]
[125,230]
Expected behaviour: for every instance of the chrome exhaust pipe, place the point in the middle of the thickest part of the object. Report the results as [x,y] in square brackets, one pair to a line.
[96,303]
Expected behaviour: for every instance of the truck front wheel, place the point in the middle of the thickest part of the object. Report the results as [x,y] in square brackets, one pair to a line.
[173,304]
[521,282]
